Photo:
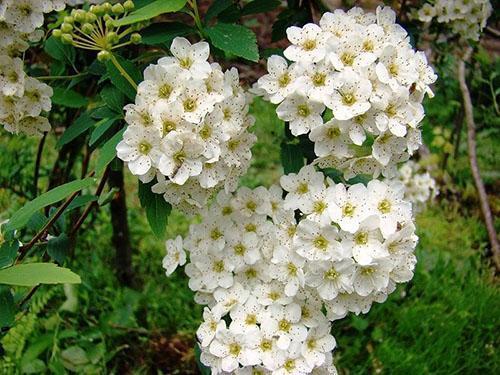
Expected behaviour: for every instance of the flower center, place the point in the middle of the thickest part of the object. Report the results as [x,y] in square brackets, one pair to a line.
[189,105]
[393,69]
[291,230]
[165,91]
[233,144]
[227,113]
[144,147]
[319,207]
[320,243]
[333,133]
[311,344]
[319,79]
[251,273]
[205,132]
[348,210]
[348,99]
[179,157]
[347,58]
[302,188]
[391,110]
[252,206]
[284,80]
[215,234]
[239,249]
[227,210]
[309,45]
[366,271]
[251,227]
[360,119]
[289,365]
[292,269]
[168,126]
[368,45]
[284,325]
[361,238]
[384,206]
[146,118]
[331,274]
[266,345]
[218,266]
[251,319]
[303,110]
[274,296]
[185,63]
[234,349]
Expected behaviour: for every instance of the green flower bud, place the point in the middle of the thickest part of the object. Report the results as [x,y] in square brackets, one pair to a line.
[110,24]
[112,37]
[129,5]
[107,17]
[81,15]
[107,7]
[118,9]
[57,33]
[98,10]
[66,27]
[103,56]
[69,19]
[67,38]
[90,18]
[135,38]
[87,28]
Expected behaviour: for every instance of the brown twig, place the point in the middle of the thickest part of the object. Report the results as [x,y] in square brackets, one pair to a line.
[471,144]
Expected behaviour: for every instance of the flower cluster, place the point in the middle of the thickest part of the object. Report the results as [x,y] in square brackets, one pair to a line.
[22,98]
[362,67]
[188,127]
[275,272]
[466,18]
[420,187]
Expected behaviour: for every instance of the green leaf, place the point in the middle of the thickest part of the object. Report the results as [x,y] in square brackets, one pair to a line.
[81,201]
[217,7]
[80,126]
[68,98]
[164,32]
[260,6]
[74,358]
[30,274]
[8,252]
[7,307]
[157,209]
[21,217]
[108,152]
[58,247]
[119,81]
[108,197]
[101,127]
[61,52]
[113,98]
[234,39]
[291,157]
[103,113]
[151,10]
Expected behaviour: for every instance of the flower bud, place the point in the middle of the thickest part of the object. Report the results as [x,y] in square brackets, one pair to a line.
[57,33]
[118,9]
[67,38]
[98,10]
[80,16]
[135,38]
[103,56]
[66,27]
[69,19]
[107,7]
[87,28]
[90,18]
[112,37]
[129,5]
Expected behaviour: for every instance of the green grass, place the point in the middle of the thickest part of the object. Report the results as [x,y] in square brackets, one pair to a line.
[445,321]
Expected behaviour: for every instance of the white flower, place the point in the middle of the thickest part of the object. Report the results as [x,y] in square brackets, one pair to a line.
[181,157]
[330,139]
[371,278]
[426,13]
[319,341]
[280,81]
[287,268]
[308,43]
[235,348]
[366,243]
[212,323]
[300,185]
[316,242]
[175,255]
[284,322]
[302,113]
[140,148]
[161,84]
[190,57]
[349,207]
[11,76]
[350,99]
[331,278]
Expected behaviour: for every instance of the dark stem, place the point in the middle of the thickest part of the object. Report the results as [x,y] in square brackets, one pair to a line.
[37,164]
[121,235]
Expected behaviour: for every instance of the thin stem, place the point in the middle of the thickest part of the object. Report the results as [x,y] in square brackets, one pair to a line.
[37,163]
[125,32]
[196,16]
[121,45]
[49,78]
[123,72]
[471,144]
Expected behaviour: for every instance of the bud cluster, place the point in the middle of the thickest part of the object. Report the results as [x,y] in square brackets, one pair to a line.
[95,29]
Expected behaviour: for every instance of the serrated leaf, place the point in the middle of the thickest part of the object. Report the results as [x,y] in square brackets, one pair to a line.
[30,274]
[21,217]
[58,247]
[260,6]
[292,158]
[108,152]
[151,10]
[217,7]
[68,98]
[235,39]
[156,207]
[164,32]
[119,81]
[79,126]
[61,52]
[113,98]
